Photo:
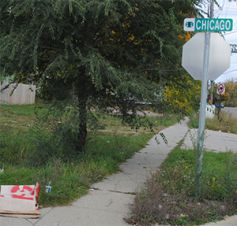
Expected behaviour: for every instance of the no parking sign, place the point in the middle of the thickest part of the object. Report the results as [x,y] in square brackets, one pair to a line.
[220,89]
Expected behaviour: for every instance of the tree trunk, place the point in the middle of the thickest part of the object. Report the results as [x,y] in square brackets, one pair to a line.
[82,132]
[82,95]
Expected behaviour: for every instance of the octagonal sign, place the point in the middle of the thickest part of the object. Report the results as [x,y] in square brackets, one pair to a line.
[193,56]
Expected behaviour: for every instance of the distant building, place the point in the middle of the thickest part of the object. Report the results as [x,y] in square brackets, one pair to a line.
[17,93]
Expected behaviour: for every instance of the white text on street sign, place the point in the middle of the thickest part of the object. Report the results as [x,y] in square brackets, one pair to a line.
[208,24]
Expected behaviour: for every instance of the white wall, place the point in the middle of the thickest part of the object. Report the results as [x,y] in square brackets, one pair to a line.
[23,94]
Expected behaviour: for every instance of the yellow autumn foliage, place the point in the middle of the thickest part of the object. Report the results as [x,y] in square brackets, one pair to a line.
[184,37]
[183,97]
[231,92]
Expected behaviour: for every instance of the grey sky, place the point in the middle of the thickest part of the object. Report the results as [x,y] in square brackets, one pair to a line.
[228,9]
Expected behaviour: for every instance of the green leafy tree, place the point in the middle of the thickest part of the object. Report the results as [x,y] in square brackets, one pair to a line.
[107,52]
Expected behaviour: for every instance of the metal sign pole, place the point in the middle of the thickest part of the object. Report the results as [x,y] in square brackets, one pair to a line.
[202,114]
[202,117]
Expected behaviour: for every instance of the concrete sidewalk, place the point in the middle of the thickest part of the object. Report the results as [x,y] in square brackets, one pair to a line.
[108,201]
[215,141]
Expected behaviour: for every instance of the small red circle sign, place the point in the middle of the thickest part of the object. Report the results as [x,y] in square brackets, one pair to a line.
[220,89]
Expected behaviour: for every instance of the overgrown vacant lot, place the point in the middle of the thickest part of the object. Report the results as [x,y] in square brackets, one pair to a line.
[226,123]
[168,197]
[35,145]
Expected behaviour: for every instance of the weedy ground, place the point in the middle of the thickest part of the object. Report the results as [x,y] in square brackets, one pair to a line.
[32,150]
[169,196]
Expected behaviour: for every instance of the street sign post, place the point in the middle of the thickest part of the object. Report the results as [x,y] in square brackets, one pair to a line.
[208,24]
[205,56]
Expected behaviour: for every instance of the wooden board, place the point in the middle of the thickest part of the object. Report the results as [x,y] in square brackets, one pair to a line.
[20,216]
[36,212]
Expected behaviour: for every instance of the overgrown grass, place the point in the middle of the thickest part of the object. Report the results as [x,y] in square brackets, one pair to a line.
[226,123]
[168,197]
[112,124]
[19,117]
[31,153]
[70,180]
[20,110]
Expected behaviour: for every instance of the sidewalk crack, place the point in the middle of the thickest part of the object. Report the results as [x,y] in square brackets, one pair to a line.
[114,191]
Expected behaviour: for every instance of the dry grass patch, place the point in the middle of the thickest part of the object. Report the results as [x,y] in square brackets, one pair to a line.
[226,123]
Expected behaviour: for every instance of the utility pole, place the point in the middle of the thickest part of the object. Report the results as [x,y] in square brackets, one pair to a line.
[202,113]
[211,14]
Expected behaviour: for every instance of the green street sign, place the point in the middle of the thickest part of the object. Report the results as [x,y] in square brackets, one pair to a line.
[208,24]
